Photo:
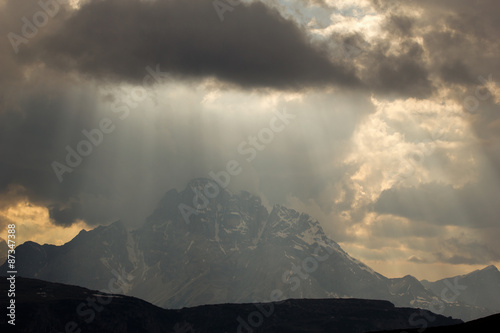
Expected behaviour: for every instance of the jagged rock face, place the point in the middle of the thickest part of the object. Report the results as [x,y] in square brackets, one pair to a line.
[233,250]
[411,291]
[205,245]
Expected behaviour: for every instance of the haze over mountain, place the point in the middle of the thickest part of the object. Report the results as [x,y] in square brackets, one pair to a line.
[229,249]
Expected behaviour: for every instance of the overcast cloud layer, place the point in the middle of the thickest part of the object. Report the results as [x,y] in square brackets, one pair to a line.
[395,144]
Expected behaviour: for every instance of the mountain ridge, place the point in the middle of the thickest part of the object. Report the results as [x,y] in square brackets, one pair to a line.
[232,250]
[478,288]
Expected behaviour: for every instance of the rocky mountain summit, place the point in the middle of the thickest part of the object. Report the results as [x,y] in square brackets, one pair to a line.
[206,245]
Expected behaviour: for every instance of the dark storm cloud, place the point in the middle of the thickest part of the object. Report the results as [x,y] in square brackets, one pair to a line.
[64,216]
[45,108]
[51,117]
[256,47]
[31,140]
[400,25]
[253,47]
[460,37]
[404,74]
[458,251]
[474,205]
[17,30]
[456,72]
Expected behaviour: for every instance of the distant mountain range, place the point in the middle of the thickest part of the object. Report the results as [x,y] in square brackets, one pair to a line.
[46,307]
[202,246]
[479,288]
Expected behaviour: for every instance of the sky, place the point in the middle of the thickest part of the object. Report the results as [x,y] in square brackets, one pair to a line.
[390,137]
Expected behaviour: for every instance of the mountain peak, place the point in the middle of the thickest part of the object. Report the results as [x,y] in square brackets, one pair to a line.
[491,268]
[117,224]
[410,278]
